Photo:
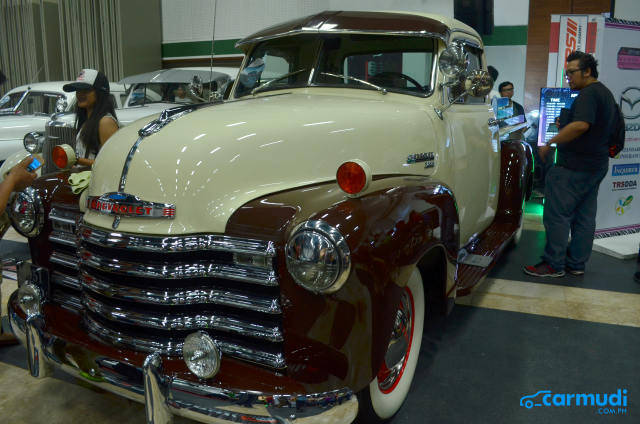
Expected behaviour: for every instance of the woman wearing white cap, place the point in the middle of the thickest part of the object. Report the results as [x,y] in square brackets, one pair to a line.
[95,116]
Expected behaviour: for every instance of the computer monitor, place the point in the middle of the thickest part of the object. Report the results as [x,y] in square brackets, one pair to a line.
[552,101]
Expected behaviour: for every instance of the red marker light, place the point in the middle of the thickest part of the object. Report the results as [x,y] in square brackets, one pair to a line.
[59,156]
[351,177]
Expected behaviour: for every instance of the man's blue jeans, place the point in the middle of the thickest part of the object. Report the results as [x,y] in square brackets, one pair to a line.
[571,201]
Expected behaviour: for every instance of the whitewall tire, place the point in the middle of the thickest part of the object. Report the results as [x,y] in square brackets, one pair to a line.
[518,235]
[387,392]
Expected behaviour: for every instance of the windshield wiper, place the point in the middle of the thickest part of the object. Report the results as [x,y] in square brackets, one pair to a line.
[377,87]
[268,83]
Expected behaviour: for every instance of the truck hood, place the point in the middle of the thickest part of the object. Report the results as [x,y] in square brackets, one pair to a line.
[212,161]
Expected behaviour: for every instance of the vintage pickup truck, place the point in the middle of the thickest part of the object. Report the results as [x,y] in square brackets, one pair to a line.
[273,258]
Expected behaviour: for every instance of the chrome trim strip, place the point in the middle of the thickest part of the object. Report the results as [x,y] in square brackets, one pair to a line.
[340,31]
[63,238]
[168,244]
[180,270]
[149,295]
[183,322]
[127,163]
[65,280]
[166,117]
[170,348]
[64,259]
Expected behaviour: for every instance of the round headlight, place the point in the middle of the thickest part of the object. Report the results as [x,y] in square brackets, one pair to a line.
[33,142]
[201,354]
[29,299]
[318,257]
[27,213]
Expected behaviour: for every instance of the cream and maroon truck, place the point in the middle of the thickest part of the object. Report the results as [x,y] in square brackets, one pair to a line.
[274,258]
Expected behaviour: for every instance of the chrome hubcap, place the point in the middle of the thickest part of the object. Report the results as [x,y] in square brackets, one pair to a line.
[399,346]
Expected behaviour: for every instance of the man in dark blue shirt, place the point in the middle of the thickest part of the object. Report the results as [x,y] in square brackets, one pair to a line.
[571,186]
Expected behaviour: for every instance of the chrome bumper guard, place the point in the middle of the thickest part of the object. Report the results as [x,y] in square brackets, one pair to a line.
[164,396]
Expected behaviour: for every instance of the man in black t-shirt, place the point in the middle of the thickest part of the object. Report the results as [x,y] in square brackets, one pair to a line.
[571,186]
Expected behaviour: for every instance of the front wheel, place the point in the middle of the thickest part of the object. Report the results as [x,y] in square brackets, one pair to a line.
[387,392]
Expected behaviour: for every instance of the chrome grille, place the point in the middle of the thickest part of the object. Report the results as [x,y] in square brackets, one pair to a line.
[56,133]
[149,293]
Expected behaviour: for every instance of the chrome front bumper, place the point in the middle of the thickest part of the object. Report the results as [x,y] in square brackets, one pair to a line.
[164,396]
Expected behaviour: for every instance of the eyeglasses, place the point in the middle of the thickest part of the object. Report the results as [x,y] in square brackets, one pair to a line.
[569,72]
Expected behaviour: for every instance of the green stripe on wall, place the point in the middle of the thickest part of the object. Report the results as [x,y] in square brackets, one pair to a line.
[507,36]
[199,48]
[502,36]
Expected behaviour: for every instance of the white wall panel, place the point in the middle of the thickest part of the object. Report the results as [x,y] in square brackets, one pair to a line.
[510,12]
[510,61]
[627,9]
[192,20]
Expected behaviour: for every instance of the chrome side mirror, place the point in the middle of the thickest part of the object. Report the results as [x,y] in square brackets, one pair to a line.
[196,88]
[453,61]
[478,83]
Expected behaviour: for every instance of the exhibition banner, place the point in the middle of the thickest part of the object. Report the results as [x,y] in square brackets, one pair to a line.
[567,34]
[619,67]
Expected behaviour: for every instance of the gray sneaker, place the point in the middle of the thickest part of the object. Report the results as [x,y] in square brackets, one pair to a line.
[574,271]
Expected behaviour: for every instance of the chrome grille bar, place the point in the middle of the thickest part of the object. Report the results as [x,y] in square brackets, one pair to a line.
[172,348]
[69,302]
[183,322]
[65,280]
[200,269]
[196,296]
[169,244]
[63,238]
[64,259]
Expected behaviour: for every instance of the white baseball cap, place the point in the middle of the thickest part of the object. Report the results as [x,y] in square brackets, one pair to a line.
[88,79]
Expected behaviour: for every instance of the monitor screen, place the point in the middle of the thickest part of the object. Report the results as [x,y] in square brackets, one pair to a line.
[552,101]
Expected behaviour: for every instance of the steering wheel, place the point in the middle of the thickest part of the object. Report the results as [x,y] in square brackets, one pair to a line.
[389,74]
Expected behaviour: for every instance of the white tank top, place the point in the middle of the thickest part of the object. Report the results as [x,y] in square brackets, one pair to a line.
[81,149]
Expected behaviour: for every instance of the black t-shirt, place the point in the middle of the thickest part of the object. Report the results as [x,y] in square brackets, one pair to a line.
[590,151]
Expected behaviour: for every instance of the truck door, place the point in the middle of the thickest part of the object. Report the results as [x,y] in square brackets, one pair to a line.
[476,153]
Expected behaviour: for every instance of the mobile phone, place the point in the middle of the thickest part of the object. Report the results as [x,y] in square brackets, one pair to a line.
[34,165]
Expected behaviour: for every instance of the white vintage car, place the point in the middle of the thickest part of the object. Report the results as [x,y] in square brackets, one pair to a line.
[29,107]
[273,258]
[147,94]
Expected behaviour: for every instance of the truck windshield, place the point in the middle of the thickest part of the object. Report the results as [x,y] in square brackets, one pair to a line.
[401,64]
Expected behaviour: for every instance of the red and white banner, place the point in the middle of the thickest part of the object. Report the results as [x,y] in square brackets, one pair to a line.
[567,34]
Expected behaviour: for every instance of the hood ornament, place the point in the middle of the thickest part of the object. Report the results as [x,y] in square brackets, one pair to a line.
[167,116]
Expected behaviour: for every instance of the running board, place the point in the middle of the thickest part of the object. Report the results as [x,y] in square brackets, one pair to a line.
[479,256]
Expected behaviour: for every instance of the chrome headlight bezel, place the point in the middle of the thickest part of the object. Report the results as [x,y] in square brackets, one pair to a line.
[32,198]
[201,355]
[317,235]
[33,142]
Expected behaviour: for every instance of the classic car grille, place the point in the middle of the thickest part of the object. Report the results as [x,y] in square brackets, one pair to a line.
[56,133]
[149,293]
